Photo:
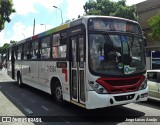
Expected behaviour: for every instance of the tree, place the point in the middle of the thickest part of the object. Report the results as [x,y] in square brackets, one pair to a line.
[13,42]
[1,50]
[109,8]
[154,23]
[4,48]
[6,9]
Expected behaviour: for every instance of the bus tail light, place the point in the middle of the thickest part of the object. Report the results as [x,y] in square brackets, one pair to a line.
[98,88]
[143,85]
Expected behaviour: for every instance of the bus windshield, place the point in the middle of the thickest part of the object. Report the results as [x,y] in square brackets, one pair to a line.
[116,53]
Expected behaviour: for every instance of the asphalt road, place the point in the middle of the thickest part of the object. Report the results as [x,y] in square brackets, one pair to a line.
[34,103]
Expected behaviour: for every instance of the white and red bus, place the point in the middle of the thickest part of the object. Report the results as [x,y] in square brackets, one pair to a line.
[93,62]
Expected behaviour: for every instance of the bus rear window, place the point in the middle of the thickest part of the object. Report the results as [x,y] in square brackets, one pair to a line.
[114,25]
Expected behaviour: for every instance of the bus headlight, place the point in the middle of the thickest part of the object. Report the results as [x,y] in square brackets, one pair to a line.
[143,85]
[97,87]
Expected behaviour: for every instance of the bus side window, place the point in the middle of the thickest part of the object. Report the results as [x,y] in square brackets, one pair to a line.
[55,45]
[45,48]
[18,52]
[59,47]
[55,52]
[26,49]
[34,50]
[62,51]
[34,54]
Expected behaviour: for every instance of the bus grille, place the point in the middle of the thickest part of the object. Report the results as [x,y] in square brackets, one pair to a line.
[122,82]
[121,85]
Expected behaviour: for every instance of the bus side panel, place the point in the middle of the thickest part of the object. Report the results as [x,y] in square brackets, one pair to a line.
[30,71]
[38,74]
[47,70]
[50,69]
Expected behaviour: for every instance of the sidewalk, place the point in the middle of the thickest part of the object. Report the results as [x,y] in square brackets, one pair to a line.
[3,70]
[7,108]
[4,77]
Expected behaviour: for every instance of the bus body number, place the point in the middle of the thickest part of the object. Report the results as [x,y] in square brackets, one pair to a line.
[51,68]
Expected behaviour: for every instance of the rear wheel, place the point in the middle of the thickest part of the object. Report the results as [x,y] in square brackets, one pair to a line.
[57,92]
[19,81]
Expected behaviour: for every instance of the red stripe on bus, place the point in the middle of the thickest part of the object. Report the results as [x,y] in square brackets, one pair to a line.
[34,37]
[65,72]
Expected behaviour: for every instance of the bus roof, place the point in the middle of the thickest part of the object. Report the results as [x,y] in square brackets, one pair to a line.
[81,20]
[109,17]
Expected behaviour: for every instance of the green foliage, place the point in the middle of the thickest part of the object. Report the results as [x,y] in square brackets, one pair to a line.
[154,23]
[109,8]
[13,42]
[6,9]
[1,50]
[4,48]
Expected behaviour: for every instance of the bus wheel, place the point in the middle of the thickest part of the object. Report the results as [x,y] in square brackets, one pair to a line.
[58,93]
[19,81]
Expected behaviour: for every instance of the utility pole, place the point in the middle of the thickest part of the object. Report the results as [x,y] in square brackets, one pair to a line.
[61,12]
[33,27]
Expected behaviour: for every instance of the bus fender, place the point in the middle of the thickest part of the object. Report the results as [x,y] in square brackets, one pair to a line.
[52,85]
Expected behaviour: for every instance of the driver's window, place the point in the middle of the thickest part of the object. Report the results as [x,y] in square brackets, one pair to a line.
[136,49]
[96,51]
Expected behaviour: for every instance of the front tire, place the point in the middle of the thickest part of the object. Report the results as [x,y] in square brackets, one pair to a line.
[57,93]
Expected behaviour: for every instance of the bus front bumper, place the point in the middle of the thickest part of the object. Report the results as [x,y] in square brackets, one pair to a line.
[96,100]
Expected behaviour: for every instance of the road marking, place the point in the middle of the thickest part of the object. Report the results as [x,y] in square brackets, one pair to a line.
[27,110]
[64,120]
[45,108]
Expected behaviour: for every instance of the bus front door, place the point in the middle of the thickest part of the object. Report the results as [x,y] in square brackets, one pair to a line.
[77,69]
[13,64]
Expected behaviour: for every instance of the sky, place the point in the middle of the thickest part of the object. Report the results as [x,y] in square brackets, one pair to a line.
[45,15]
